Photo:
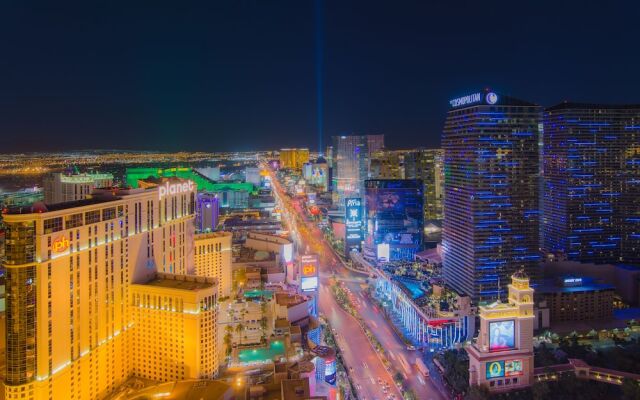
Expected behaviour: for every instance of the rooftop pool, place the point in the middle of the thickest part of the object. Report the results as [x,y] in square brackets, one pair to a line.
[255,293]
[275,349]
[413,286]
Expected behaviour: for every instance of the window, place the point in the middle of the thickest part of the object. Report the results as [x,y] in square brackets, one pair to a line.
[73,221]
[108,213]
[91,217]
[52,225]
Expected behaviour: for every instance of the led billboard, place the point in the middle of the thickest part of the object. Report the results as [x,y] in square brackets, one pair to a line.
[513,368]
[495,369]
[502,335]
[309,284]
[308,272]
[353,223]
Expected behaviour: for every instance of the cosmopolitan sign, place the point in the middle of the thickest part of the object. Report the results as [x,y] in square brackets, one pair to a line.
[175,188]
[461,101]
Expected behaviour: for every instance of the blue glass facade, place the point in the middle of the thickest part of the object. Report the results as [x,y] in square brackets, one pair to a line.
[394,213]
[491,201]
[592,182]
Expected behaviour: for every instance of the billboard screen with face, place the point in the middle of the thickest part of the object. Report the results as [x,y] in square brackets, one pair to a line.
[502,335]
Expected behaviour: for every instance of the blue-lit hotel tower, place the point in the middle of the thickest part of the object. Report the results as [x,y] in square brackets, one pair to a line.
[592,182]
[491,202]
[394,218]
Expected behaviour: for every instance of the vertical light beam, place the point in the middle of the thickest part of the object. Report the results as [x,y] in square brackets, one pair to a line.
[319,19]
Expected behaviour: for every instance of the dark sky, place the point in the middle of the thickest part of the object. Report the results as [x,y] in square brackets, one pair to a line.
[240,74]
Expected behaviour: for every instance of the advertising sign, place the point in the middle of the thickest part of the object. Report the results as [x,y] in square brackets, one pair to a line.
[353,223]
[175,188]
[60,244]
[513,368]
[495,369]
[308,272]
[309,284]
[502,335]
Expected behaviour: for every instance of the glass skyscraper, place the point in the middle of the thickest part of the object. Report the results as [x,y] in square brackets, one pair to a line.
[351,159]
[491,202]
[426,165]
[394,218]
[592,182]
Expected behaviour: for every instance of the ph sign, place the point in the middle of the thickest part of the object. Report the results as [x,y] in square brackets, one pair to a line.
[175,188]
[60,244]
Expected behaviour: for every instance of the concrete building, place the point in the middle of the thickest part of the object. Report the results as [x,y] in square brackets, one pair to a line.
[575,298]
[592,182]
[59,187]
[212,258]
[207,211]
[252,175]
[211,173]
[175,332]
[69,271]
[491,202]
[233,198]
[428,166]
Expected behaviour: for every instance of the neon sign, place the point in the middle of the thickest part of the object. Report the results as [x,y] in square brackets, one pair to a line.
[491,98]
[309,270]
[60,244]
[175,188]
[464,100]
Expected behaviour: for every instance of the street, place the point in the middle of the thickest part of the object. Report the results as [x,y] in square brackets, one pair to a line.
[366,367]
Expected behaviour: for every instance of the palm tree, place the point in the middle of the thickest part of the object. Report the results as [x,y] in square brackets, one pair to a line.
[239,329]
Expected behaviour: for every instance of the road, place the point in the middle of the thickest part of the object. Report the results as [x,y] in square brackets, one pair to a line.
[357,351]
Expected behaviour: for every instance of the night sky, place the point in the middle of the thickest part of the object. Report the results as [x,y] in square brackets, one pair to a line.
[241,75]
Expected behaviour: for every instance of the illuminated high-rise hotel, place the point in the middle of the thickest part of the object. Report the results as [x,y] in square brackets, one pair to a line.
[426,165]
[592,182]
[293,158]
[69,271]
[212,258]
[350,162]
[491,216]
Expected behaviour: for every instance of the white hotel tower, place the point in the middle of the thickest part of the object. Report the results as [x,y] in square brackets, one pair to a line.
[70,268]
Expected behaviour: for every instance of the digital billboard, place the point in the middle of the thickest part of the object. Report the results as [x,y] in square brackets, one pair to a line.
[495,369]
[513,368]
[308,272]
[502,368]
[502,335]
[353,223]
[309,284]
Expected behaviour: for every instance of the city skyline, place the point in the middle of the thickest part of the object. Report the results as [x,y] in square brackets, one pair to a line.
[186,79]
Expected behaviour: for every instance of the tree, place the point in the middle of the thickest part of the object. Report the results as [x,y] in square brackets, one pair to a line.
[478,393]
[239,329]
[540,390]
[630,390]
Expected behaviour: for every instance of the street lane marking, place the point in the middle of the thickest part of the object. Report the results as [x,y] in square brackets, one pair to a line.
[393,356]
[374,324]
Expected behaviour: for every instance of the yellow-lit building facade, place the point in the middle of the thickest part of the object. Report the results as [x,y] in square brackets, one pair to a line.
[293,158]
[212,255]
[69,269]
[502,356]
[174,336]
